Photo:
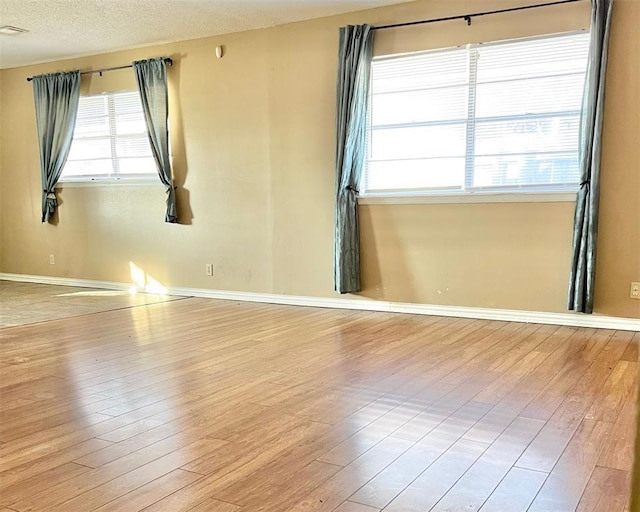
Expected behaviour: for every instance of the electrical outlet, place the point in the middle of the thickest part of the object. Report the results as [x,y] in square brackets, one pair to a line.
[635,291]
[209,269]
[52,259]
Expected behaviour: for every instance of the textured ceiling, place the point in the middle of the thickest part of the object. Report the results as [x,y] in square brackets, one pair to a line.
[60,29]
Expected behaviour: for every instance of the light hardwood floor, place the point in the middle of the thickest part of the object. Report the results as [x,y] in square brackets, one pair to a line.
[212,406]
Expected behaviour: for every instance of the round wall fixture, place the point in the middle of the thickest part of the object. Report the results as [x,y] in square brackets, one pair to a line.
[219,51]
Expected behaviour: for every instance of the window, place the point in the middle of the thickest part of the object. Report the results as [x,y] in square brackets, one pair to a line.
[110,140]
[498,117]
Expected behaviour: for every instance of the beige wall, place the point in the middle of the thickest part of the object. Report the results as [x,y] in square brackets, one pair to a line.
[2,182]
[253,149]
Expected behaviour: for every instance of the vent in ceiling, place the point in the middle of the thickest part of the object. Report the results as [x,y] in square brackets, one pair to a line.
[8,30]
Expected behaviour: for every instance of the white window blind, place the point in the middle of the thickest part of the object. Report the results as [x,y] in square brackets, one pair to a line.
[497,117]
[110,139]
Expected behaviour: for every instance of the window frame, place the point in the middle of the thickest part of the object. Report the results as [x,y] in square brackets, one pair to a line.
[466,194]
[144,179]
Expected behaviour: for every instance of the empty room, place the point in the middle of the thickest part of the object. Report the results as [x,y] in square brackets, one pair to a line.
[318,255]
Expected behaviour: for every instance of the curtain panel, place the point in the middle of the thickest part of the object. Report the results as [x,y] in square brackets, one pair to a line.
[151,77]
[354,70]
[585,229]
[56,98]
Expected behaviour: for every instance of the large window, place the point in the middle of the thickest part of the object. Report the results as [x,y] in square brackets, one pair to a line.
[110,140]
[497,117]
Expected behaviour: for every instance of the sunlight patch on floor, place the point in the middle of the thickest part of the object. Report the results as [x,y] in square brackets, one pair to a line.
[144,281]
[95,293]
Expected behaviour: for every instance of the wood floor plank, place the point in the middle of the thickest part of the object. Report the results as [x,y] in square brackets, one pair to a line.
[516,491]
[166,449]
[239,458]
[477,484]
[547,447]
[607,491]
[545,404]
[518,397]
[568,480]
[632,352]
[25,450]
[105,493]
[32,468]
[619,446]
[426,490]
[128,446]
[278,493]
[44,480]
[152,492]
[383,488]
[235,463]
[618,345]
[349,479]
[350,506]
[609,401]
[212,505]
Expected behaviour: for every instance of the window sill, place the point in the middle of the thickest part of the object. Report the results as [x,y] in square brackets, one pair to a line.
[129,182]
[547,197]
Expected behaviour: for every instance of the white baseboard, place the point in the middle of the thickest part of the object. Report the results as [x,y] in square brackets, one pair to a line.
[509,315]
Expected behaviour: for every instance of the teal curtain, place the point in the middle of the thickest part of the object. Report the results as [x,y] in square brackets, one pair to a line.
[585,230]
[151,77]
[56,98]
[354,72]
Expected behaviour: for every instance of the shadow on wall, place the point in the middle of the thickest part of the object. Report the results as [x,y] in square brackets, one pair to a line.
[179,154]
[54,220]
[373,286]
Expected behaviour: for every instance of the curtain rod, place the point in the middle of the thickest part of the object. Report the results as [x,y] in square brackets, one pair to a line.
[467,17]
[166,59]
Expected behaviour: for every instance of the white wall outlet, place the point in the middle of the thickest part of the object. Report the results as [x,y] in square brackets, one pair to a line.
[209,269]
[52,259]
[635,291]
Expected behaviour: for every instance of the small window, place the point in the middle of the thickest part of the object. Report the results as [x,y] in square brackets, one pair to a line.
[497,117]
[110,140]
